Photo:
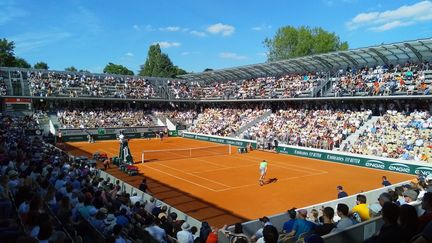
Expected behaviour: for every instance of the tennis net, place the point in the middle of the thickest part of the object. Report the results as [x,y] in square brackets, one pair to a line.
[170,154]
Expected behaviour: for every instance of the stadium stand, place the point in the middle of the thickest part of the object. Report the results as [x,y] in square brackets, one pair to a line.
[408,79]
[316,128]
[46,194]
[397,135]
[225,121]
[94,118]
[181,116]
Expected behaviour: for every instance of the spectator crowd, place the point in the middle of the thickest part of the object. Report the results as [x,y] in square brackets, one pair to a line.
[94,118]
[89,85]
[397,135]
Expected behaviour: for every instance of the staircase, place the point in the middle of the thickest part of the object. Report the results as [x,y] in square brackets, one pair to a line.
[353,137]
[250,124]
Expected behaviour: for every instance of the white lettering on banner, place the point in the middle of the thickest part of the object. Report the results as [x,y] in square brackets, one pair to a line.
[315,155]
[352,160]
[375,164]
[300,152]
[399,168]
[235,143]
[423,171]
[335,157]
[202,138]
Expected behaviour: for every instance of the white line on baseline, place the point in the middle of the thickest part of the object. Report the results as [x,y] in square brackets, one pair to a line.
[225,168]
[285,179]
[187,173]
[285,164]
[180,178]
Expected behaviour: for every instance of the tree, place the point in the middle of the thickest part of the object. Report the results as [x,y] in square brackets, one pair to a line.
[117,69]
[208,70]
[290,42]
[70,69]
[158,64]
[21,63]
[7,55]
[41,65]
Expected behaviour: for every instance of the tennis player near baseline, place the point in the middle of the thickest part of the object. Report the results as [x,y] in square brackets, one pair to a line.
[263,171]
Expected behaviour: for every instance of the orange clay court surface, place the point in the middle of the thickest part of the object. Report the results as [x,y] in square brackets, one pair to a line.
[229,183]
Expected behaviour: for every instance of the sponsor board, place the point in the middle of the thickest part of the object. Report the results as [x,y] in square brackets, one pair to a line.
[398,167]
[359,161]
[376,164]
[222,140]
[423,170]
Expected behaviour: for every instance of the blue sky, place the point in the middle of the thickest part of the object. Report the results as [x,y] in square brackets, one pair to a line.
[196,34]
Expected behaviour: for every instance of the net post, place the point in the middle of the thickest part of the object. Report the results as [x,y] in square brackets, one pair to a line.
[229,149]
[142,157]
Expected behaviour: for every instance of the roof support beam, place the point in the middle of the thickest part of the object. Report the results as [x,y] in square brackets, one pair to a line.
[282,67]
[301,65]
[324,62]
[427,47]
[380,55]
[418,55]
[352,60]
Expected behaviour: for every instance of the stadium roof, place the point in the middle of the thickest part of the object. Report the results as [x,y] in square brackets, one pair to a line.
[417,50]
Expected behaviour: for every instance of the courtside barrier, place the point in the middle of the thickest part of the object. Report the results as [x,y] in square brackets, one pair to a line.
[78,134]
[374,162]
[362,231]
[218,139]
[125,187]
[279,219]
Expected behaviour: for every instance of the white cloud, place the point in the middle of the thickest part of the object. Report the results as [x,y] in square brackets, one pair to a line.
[391,25]
[390,19]
[185,53]
[30,41]
[220,28]
[232,56]
[129,54]
[147,28]
[170,28]
[136,27]
[166,44]
[198,33]
[262,27]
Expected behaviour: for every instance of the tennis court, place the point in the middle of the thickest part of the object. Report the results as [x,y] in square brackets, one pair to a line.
[229,182]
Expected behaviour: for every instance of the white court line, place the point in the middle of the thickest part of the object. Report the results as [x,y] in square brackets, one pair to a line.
[180,178]
[285,164]
[208,162]
[187,173]
[224,168]
[285,179]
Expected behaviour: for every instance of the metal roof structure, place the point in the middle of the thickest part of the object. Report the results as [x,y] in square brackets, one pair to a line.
[395,53]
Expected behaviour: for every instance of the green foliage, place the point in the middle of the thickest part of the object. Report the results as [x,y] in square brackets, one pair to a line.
[7,55]
[158,64]
[290,42]
[21,63]
[208,70]
[117,69]
[41,65]
[71,69]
